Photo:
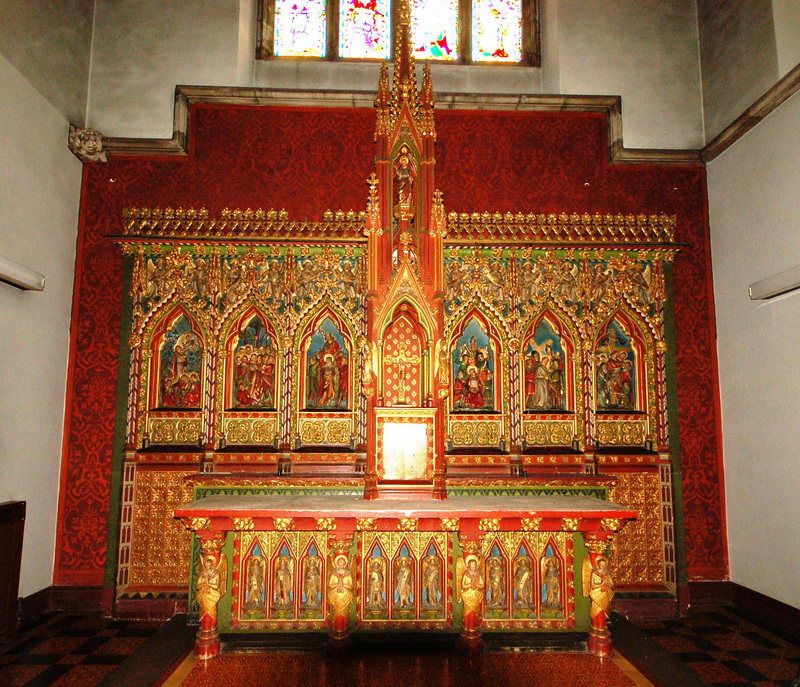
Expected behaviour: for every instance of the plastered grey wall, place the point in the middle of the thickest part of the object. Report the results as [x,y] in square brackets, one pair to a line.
[49,43]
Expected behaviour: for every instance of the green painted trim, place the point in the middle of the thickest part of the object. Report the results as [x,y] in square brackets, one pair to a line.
[600,492]
[121,412]
[671,363]
[582,603]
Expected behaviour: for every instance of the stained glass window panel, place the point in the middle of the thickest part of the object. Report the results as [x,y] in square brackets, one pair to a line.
[300,28]
[434,29]
[496,30]
[364,28]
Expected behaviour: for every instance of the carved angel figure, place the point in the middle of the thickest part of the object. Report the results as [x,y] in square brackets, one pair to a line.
[284,572]
[496,575]
[568,287]
[347,279]
[340,587]
[311,583]
[431,579]
[598,585]
[234,276]
[210,587]
[306,279]
[530,281]
[601,278]
[639,284]
[454,280]
[495,287]
[404,580]
[198,278]
[376,598]
[469,584]
[523,583]
[156,279]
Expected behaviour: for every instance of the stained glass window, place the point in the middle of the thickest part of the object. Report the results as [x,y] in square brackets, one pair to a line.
[496,30]
[434,29]
[300,28]
[364,28]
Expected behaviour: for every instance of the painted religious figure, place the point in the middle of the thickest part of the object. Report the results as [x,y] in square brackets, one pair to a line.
[473,371]
[496,594]
[544,370]
[284,572]
[327,365]
[181,367]
[615,370]
[255,359]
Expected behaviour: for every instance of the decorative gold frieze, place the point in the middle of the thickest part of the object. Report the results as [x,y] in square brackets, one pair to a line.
[243,524]
[366,524]
[197,524]
[326,524]
[449,524]
[489,524]
[562,228]
[531,524]
[283,524]
[570,524]
[611,524]
[407,524]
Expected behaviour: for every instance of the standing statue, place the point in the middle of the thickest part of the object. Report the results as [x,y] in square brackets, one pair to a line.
[552,585]
[283,583]
[209,588]
[376,599]
[431,579]
[523,584]
[255,584]
[599,586]
[496,575]
[311,582]
[470,586]
[404,580]
[340,595]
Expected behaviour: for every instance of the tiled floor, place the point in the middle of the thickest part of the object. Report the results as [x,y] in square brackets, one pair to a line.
[721,645]
[727,648]
[70,649]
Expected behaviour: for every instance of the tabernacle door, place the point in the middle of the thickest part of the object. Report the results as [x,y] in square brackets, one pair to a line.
[405,449]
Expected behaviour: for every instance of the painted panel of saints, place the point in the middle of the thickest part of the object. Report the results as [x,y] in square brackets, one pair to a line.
[544,370]
[615,370]
[473,371]
[181,365]
[327,365]
[255,359]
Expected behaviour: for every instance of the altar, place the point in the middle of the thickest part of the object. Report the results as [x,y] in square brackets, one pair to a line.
[346,564]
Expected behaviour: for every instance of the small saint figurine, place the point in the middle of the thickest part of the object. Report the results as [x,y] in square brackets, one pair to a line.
[552,585]
[496,583]
[470,587]
[255,584]
[283,583]
[340,594]
[431,580]
[404,579]
[375,581]
[312,588]
[523,584]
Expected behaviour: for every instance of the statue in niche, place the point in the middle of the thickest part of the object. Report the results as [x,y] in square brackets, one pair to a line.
[551,586]
[235,283]
[599,586]
[327,369]
[523,584]
[404,178]
[431,579]
[283,582]
[272,280]
[210,587]
[496,575]
[404,583]
[568,287]
[638,288]
[601,279]
[306,279]
[311,589]
[199,278]
[495,287]
[615,378]
[376,597]
[473,371]
[347,280]
[544,370]
[181,366]
[470,584]
[255,584]
[531,279]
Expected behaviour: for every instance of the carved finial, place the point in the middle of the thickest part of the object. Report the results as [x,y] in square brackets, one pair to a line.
[382,100]
[427,87]
[86,144]
[404,87]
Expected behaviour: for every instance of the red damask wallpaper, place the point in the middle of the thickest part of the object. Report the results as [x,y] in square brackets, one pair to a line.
[308,161]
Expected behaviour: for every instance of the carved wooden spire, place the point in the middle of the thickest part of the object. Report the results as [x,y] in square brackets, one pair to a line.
[404,86]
